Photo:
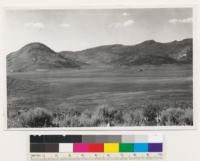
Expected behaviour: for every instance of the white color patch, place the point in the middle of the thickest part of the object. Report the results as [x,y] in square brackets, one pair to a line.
[65,147]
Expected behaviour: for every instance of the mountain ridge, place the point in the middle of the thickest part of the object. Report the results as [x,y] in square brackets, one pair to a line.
[179,52]
[37,56]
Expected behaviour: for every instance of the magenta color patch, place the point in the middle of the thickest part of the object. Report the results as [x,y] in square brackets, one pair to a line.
[79,147]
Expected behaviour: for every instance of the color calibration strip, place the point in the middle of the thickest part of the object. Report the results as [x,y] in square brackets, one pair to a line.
[96,144]
[96,147]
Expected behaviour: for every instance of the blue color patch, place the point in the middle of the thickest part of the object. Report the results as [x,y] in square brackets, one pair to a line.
[140,147]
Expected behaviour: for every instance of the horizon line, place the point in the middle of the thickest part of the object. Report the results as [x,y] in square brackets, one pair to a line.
[153,40]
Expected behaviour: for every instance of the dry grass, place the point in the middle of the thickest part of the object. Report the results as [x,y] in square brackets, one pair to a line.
[87,98]
[104,116]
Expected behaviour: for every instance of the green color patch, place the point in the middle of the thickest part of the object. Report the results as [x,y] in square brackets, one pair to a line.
[126,147]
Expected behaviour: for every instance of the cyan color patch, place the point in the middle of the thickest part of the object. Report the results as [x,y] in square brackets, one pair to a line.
[140,147]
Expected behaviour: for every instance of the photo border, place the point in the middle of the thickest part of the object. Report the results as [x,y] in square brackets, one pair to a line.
[196,85]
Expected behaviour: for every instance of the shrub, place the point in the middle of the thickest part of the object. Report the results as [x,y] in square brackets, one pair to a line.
[85,120]
[136,118]
[38,117]
[72,112]
[172,116]
[109,115]
[151,113]
[187,118]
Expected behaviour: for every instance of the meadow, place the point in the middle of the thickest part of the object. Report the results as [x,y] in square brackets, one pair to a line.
[145,95]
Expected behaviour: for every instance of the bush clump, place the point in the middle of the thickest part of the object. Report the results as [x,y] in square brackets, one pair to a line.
[151,114]
[177,116]
[109,116]
[187,118]
[38,117]
[134,118]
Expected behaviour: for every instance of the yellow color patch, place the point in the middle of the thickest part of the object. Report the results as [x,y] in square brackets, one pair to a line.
[111,147]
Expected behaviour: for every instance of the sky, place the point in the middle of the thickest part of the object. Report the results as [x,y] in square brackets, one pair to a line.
[73,30]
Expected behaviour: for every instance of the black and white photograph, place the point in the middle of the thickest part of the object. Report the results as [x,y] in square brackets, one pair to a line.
[128,67]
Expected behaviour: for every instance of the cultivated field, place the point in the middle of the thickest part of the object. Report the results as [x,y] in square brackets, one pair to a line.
[138,96]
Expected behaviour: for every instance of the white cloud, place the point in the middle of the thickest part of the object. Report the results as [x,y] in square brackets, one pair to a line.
[65,25]
[184,20]
[125,14]
[36,25]
[126,23]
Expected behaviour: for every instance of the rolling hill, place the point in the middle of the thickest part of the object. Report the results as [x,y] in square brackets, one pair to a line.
[37,56]
[148,52]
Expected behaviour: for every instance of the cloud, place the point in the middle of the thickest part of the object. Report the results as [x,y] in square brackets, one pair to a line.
[178,21]
[65,25]
[124,14]
[126,23]
[35,25]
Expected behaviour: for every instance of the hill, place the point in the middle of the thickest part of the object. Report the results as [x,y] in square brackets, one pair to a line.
[148,52]
[37,56]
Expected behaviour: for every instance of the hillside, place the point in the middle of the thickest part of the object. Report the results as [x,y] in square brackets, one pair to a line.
[37,56]
[148,52]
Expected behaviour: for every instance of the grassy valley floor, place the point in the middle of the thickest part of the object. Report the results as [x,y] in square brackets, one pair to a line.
[138,96]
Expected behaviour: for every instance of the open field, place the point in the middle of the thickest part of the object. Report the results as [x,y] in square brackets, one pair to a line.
[102,96]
